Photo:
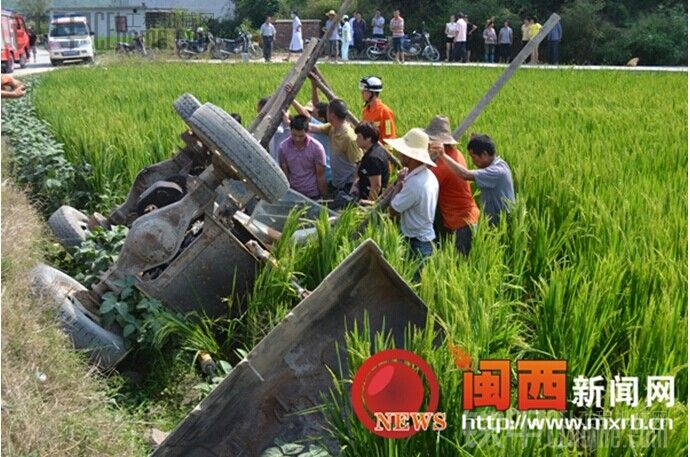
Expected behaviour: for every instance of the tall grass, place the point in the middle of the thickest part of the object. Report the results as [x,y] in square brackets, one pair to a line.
[590,267]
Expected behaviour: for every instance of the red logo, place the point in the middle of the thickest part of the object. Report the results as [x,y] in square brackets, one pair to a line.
[388,387]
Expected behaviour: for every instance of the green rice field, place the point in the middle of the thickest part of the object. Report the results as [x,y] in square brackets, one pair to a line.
[591,266]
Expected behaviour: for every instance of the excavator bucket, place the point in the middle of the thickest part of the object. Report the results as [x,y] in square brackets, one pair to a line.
[260,401]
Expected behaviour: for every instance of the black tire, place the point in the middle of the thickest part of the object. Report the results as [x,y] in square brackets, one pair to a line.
[432,54]
[372,53]
[23,59]
[255,52]
[240,150]
[185,105]
[104,348]
[9,66]
[69,226]
[54,62]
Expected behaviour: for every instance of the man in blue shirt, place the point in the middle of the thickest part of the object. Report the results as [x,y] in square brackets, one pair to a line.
[554,38]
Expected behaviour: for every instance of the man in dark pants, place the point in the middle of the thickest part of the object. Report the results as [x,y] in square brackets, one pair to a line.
[359,27]
[554,38]
[268,31]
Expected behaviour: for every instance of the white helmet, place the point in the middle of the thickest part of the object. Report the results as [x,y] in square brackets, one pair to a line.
[371,83]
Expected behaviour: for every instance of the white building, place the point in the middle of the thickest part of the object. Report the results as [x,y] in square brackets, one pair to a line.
[108,18]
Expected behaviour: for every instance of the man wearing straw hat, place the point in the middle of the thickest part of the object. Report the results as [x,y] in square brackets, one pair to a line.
[459,212]
[416,202]
[335,35]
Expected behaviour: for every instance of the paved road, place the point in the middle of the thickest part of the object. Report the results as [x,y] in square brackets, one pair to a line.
[42,65]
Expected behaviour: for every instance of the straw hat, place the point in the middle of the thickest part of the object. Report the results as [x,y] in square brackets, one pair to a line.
[439,130]
[330,13]
[415,145]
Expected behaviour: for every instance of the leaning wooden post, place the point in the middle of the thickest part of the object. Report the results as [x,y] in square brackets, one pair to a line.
[268,120]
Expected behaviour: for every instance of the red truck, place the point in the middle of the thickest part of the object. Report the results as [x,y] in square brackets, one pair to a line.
[15,41]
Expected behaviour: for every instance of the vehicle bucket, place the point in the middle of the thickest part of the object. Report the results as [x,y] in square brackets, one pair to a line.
[260,401]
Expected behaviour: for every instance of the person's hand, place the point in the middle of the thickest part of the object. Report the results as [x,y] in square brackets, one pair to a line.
[402,174]
[286,118]
[289,87]
[20,91]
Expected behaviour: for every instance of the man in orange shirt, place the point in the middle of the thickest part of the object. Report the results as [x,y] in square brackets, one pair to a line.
[374,110]
[459,212]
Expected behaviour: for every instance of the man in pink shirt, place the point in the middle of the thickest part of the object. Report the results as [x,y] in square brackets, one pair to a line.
[397,25]
[303,160]
[460,41]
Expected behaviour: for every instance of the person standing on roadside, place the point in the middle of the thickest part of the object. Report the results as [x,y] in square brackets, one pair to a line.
[505,42]
[450,36]
[397,26]
[378,22]
[296,41]
[554,37]
[460,41]
[525,31]
[345,38]
[471,28]
[268,32]
[490,39]
[534,28]
[359,30]
[32,42]
[334,36]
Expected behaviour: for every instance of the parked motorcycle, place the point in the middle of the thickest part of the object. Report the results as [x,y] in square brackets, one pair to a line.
[187,49]
[418,44]
[375,48]
[222,48]
[136,46]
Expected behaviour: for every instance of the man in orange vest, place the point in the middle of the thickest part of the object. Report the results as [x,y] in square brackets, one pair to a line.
[374,110]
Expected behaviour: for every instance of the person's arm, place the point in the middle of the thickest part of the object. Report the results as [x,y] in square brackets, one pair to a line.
[16,88]
[511,36]
[353,153]
[456,168]
[323,128]
[321,180]
[314,93]
[403,200]
[374,187]
[300,109]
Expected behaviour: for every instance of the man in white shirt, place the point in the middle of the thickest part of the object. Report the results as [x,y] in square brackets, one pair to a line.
[377,24]
[460,42]
[268,31]
[416,203]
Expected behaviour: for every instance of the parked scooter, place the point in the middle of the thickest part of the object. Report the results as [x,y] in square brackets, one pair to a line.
[136,46]
[222,48]
[418,44]
[187,49]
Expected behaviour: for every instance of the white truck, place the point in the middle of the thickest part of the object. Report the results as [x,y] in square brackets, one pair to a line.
[70,38]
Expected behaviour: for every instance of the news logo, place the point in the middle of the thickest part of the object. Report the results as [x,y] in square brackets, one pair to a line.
[388,395]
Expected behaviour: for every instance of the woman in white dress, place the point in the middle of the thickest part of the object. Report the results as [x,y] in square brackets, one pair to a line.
[296,41]
[345,38]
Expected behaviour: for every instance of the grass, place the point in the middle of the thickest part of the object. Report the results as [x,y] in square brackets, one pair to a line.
[69,413]
[591,266]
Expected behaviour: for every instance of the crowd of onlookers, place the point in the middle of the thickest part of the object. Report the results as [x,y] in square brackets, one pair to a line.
[350,33]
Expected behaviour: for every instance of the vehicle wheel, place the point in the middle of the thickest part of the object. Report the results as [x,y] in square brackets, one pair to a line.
[372,53]
[105,348]
[69,226]
[255,52]
[9,66]
[240,150]
[160,194]
[390,54]
[23,59]
[88,60]
[54,62]
[432,54]
[185,105]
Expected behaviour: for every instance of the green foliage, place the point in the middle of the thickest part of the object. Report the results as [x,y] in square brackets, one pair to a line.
[137,315]
[255,11]
[95,255]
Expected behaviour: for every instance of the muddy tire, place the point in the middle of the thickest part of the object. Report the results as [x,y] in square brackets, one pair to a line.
[240,150]
[104,348]
[185,105]
[69,226]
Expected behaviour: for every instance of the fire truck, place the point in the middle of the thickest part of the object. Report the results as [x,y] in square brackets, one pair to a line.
[15,41]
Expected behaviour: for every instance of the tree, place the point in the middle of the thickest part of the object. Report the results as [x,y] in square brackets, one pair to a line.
[36,11]
[256,11]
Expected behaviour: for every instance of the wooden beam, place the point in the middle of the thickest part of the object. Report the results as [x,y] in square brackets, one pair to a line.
[263,128]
